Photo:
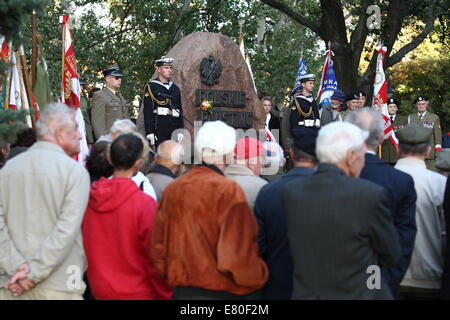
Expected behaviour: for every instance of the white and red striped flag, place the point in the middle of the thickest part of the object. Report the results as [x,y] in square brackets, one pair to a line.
[379,101]
[70,87]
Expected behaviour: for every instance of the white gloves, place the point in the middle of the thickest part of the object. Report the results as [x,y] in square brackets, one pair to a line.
[152,138]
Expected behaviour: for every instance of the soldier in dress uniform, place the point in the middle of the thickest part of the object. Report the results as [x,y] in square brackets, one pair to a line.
[430,121]
[108,105]
[303,113]
[163,112]
[352,103]
[388,151]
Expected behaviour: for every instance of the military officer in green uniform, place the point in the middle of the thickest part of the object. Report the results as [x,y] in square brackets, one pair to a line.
[108,105]
[388,150]
[430,121]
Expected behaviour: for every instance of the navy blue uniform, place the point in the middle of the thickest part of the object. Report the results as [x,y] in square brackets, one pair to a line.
[162,115]
[304,115]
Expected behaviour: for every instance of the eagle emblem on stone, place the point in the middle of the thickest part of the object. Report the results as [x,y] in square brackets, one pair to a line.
[210,70]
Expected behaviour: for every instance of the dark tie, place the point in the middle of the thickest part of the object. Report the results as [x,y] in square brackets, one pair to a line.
[420,117]
[392,119]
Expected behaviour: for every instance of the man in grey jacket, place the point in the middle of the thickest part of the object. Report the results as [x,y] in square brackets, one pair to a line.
[423,277]
[43,196]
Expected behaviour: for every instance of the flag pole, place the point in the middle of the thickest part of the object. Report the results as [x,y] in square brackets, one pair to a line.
[63,57]
[301,50]
[34,49]
[26,80]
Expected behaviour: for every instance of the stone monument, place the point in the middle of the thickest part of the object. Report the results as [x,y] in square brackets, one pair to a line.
[210,67]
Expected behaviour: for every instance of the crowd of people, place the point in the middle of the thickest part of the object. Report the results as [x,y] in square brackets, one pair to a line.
[139,222]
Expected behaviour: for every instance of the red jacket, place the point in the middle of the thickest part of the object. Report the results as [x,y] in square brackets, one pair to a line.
[116,235]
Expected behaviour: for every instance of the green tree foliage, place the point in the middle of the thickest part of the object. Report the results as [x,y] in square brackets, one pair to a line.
[12,121]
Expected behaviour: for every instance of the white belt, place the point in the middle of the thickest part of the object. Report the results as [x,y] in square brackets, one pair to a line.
[310,123]
[162,111]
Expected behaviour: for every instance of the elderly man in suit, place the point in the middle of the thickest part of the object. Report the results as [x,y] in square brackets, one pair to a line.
[423,278]
[400,189]
[108,104]
[340,229]
[431,122]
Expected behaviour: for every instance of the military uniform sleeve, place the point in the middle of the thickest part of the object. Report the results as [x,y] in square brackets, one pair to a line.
[383,234]
[148,112]
[237,249]
[286,134]
[10,257]
[58,244]
[99,115]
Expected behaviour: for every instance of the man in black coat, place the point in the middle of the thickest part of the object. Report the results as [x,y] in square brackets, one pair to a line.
[400,189]
[163,112]
[268,209]
[340,229]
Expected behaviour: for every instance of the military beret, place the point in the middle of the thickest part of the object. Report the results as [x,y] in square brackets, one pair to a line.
[164,62]
[414,134]
[420,98]
[443,160]
[392,101]
[113,71]
[307,77]
[353,96]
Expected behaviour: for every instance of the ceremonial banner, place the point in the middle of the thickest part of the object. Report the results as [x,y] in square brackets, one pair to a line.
[379,101]
[302,70]
[4,55]
[246,58]
[328,83]
[70,87]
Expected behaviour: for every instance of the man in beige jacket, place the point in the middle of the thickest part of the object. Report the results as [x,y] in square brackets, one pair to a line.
[43,196]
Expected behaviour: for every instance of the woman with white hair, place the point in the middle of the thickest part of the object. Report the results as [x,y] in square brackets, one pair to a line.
[204,234]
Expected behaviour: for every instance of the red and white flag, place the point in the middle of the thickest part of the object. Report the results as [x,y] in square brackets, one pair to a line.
[4,51]
[70,87]
[379,101]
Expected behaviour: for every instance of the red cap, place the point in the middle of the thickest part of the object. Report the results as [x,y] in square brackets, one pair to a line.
[247,148]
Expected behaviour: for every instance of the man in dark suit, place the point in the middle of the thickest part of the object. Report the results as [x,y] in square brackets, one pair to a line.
[268,209]
[340,229]
[399,187]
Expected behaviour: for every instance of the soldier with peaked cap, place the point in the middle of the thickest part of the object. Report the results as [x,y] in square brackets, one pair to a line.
[303,113]
[162,110]
[108,105]
[388,150]
[361,98]
[430,121]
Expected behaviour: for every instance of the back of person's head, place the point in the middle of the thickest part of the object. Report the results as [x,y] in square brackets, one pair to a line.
[370,120]
[55,116]
[274,154]
[97,163]
[121,126]
[25,138]
[336,139]
[170,152]
[414,140]
[214,141]
[125,150]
